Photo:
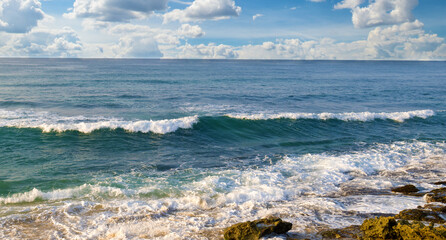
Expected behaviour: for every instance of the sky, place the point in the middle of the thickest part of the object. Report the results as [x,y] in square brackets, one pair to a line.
[225,29]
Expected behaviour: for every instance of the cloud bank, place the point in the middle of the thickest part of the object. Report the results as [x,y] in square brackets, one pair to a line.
[406,41]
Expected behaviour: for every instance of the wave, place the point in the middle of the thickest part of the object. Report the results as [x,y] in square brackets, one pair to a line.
[377,167]
[347,116]
[49,122]
[300,188]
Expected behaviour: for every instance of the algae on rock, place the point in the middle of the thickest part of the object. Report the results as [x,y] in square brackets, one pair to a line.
[256,229]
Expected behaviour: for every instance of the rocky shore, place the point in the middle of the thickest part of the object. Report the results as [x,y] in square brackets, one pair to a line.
[424,222]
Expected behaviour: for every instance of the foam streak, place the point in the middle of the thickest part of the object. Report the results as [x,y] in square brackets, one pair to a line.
[347,116]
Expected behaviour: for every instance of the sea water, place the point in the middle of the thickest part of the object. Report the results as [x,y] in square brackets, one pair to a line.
[181,149]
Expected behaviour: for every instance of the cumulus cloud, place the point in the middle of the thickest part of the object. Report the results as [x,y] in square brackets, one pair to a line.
[43,43]
[204,10]
[404,41]
[190,31]
[115,10]
[19,16]
[145,42]
[379,12]
[137,47]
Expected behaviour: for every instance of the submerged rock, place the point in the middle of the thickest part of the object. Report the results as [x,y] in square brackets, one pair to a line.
[256,229]
[437,195]
[407,189]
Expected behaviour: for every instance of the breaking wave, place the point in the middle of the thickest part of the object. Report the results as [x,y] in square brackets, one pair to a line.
[52,122]
[347,116]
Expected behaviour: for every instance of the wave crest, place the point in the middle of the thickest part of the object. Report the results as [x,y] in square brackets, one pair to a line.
[347,116]
[49,122]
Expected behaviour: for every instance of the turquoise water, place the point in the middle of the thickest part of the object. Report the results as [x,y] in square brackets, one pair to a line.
[218,140]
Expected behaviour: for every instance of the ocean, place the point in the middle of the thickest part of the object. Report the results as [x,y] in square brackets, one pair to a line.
[181,149]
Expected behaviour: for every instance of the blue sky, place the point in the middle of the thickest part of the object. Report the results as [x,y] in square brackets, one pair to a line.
[261,29]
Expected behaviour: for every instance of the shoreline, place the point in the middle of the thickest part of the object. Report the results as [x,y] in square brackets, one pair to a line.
[424,222]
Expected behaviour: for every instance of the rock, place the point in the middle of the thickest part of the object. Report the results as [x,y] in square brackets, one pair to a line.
[420,215]
[256,229]
[417,230]
[379,228]
[435,208]
[440,183]
[351,232]
[407,189]
[437,195]
[389,228]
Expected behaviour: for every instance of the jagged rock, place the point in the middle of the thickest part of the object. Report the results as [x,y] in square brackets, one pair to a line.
[379,228]
[437,195]
[256,229]
[420,215]
[407,189]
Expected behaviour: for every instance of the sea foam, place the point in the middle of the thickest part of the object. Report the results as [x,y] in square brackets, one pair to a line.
[53,122]
[346,116]
[297,187]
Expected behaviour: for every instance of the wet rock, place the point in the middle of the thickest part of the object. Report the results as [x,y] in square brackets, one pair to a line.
[351,232]
[389,228]
[437,195]
[380,228]
[440,183]
[256,229]
[407,189]
[435,208]
[420,215]
[417,230]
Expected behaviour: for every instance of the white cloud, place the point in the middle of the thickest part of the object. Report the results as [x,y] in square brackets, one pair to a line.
[405,41]
[256,16]
[210,51]
[137,47]
[145,42]
[43,43]
[190,31]
[19,16]
[204,10]
[348,4]
[379,12]
[115,10]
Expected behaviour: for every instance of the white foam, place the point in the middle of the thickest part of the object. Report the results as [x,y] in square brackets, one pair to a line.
[347,116]
[52,122]
[297,188]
